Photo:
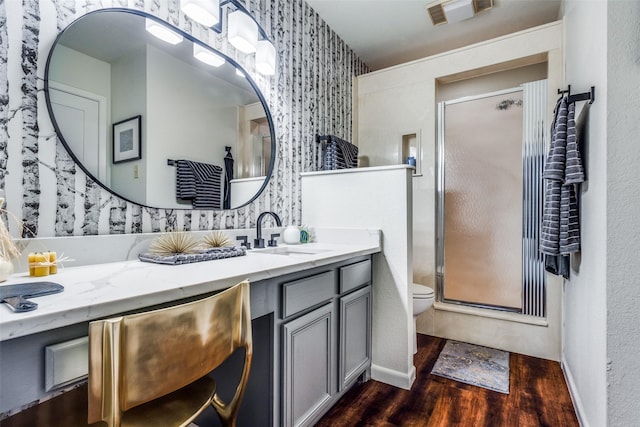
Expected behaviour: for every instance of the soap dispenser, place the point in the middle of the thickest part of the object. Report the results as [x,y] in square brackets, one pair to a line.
[291,235]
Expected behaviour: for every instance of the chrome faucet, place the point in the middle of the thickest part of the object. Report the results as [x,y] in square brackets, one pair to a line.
[259,241]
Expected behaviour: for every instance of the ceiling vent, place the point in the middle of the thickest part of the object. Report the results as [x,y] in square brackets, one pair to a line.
[482,5]
[450,11]
[436,12]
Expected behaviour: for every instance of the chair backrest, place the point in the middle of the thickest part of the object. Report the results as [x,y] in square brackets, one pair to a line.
[137,358]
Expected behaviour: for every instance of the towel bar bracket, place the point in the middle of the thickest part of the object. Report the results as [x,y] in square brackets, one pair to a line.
[586,96]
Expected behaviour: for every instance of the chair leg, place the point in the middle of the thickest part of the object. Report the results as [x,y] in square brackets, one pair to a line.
[228,413]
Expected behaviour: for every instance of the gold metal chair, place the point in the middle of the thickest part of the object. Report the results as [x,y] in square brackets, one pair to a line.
[150,369]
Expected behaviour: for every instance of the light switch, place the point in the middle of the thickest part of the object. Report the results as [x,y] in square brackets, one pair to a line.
[136,171]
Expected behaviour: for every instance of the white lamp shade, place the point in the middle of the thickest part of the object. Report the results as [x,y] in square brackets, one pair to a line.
[207,56]
[266,58]
[242,32]
[205,12]
[162,32]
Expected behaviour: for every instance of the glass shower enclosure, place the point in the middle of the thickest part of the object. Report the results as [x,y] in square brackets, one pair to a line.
[489,159]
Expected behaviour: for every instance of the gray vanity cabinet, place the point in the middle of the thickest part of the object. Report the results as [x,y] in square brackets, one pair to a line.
[326,339]
[311,342]
[355,336]
[355,321]
[309,354]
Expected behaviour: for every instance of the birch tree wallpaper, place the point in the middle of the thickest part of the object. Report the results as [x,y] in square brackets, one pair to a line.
[311,93]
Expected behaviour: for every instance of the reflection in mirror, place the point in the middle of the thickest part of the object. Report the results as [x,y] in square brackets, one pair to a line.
[105,69]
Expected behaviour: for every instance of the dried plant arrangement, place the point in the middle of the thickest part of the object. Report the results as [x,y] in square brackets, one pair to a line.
[216,239]
[8,249]
[181,248]
[175,242]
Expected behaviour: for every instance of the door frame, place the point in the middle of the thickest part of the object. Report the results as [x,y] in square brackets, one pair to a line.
[104,172]
[439,202]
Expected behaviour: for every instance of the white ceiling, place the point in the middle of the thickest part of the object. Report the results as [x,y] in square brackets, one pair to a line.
[390,32]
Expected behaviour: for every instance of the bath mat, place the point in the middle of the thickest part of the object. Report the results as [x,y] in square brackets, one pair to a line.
[475,365]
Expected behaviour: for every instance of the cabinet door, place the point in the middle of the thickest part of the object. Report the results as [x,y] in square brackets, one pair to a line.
[355,335]
[309,365]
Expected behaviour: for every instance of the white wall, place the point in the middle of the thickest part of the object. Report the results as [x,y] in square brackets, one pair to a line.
[585,298]
[403,98]
[244,189]
[128,94]
[185,120]
[82,71]
[623,207]
[491,82]
[375,198]
[601,333]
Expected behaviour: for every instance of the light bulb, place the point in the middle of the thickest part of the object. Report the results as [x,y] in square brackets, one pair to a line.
[207,56]
[162,32]
[266,58]
[205,12]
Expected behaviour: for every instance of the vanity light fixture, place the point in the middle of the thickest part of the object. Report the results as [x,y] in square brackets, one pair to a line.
[242,31]
[266,58]
[205,12]
[162,32]
[207,56]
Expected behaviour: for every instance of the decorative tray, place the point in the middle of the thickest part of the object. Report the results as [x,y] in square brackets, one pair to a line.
[205,255]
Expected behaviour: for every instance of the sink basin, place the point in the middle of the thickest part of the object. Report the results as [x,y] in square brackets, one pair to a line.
[291,250]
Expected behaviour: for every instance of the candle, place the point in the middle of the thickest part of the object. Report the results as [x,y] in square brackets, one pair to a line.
[41,270]
[32,260]
[53,268]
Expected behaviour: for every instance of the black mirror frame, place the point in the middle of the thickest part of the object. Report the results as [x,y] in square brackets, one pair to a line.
[193,40]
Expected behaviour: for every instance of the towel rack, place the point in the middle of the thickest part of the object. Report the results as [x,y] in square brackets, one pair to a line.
[586,96]
[171,162]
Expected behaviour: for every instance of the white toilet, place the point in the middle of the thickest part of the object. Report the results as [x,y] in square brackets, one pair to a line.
[423,297]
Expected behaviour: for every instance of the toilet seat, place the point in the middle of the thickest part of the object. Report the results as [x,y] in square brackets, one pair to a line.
[421,291]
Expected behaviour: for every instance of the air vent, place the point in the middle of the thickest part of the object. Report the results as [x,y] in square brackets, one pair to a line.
[436,12]
[482,5]
[458,10]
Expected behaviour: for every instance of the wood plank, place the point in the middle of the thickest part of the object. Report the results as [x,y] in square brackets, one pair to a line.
[538,396]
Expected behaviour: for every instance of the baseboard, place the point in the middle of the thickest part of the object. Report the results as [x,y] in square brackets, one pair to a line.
[394,378]
[573,392]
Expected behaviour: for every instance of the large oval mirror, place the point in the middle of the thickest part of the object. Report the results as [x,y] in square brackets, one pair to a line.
[153,124]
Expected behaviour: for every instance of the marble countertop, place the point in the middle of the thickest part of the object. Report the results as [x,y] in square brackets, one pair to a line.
[100,290]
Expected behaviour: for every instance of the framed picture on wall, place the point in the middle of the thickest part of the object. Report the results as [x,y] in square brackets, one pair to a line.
[126,140]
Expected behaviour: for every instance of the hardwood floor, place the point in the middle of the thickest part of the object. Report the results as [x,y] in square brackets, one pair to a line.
[538,397]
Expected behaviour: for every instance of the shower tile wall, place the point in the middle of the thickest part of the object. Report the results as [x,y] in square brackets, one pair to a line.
[310,93]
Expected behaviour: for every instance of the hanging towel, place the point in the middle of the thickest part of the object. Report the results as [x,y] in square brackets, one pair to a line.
[563,171]
[185,180]
[228,176]
[338,153]
[199,182]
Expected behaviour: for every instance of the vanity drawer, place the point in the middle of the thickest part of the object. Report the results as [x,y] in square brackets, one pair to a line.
[308,292]
[66,362]
[355,275]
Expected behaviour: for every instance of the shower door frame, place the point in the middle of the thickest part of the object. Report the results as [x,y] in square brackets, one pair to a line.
[439,203]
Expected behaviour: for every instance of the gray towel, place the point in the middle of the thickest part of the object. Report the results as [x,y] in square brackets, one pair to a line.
[564,172]
[200,182]
[338,153]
